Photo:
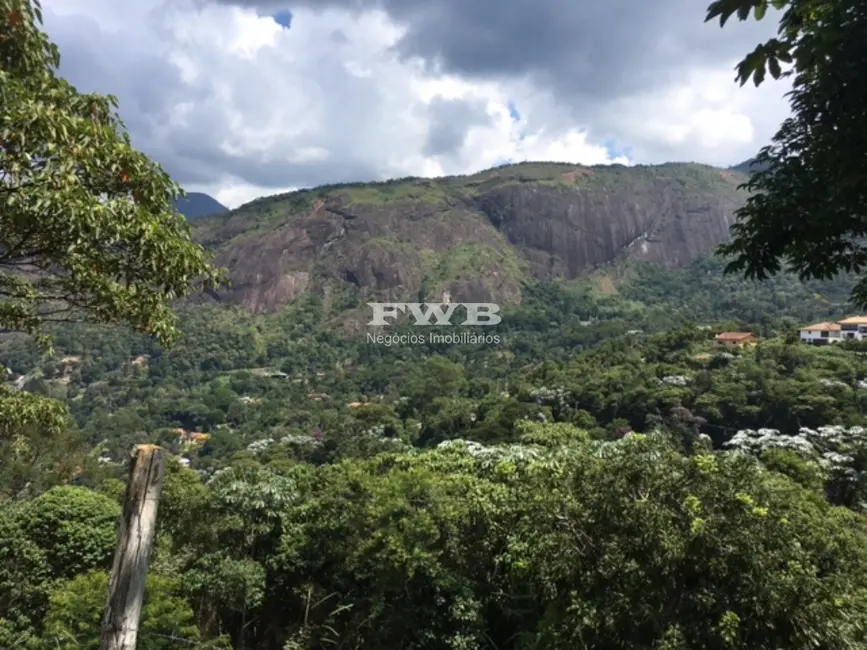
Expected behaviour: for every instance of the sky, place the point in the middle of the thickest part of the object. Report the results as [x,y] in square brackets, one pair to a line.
[246,98]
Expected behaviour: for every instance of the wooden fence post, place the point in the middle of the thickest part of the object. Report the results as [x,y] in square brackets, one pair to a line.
[132,556]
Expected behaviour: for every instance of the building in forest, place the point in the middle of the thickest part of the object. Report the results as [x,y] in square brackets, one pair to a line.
[735,339]
[853,328]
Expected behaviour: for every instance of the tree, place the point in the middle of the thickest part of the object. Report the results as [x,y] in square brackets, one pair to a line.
[563,542]
[35,447]
[65,532]
[75,528]
[88,230]
[73,620]
[87,224]
[807,210]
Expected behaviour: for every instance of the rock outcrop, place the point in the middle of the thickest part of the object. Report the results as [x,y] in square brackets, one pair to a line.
[478,237]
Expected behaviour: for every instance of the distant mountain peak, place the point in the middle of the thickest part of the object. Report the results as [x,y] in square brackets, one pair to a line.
[198,205]
[749,166]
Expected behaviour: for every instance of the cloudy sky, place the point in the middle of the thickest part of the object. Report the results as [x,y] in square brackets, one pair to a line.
[242,98]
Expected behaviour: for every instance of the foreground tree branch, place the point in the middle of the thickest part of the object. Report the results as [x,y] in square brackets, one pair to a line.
[91,217]
[807,211]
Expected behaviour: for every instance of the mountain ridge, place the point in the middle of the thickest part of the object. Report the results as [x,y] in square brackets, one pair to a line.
[478,236]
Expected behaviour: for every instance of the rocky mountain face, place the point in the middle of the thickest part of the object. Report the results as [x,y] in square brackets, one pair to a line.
[478,237]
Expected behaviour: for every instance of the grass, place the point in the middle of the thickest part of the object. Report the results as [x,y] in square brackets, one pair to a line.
[408,191]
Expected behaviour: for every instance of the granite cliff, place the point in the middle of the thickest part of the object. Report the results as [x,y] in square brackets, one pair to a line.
[477,236]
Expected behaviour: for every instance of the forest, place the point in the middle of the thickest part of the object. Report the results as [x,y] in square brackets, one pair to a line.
[337,493]
[605,475]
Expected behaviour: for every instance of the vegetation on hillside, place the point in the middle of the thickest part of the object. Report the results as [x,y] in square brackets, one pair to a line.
[299,417]
[605,475]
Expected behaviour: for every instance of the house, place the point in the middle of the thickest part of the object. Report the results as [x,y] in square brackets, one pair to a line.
[821,333]
[317,396]
[853,328]
[735,339]
[192,436]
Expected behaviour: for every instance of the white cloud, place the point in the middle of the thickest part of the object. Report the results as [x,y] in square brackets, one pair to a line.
[706,118]
[232,195]
[235,105]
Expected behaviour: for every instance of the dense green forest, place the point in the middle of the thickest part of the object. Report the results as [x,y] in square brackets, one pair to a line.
[603,475]
[350,494]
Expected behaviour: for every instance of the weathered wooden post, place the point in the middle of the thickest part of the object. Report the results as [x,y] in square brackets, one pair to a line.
[126,588]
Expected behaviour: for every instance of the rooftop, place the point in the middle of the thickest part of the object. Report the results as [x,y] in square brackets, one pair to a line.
[854,320]
[734,336]
[823,327]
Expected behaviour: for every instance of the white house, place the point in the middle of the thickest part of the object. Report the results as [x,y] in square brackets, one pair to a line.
[854,327]
[821,333]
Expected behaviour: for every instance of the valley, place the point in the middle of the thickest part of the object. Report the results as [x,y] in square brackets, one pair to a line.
[279,398]
[596,381]
[265,428]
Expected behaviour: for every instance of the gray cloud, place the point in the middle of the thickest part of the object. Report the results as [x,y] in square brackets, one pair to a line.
[584,51]
[337,36]
[326,103]
[151,89]
[450,121]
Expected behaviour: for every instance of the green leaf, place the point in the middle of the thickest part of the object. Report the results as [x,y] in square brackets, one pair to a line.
[774,67]
[79,206]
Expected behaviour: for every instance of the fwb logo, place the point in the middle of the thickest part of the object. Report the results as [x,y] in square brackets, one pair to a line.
[478,313]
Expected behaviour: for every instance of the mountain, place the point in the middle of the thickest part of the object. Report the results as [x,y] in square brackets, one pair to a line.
[198,205]
[480,237]
[748,166]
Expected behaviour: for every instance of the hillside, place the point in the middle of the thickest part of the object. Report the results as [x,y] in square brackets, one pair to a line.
[479,237]
[123,388]
[305,463]
[198,205]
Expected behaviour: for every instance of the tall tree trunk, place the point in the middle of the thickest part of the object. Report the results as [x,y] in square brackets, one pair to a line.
[138,526]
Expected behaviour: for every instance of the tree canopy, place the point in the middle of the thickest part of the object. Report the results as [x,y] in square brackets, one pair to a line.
[87,224]
[88,230]
[808,208]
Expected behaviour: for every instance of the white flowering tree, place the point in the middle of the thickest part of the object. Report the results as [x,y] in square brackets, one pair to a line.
[839,453]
